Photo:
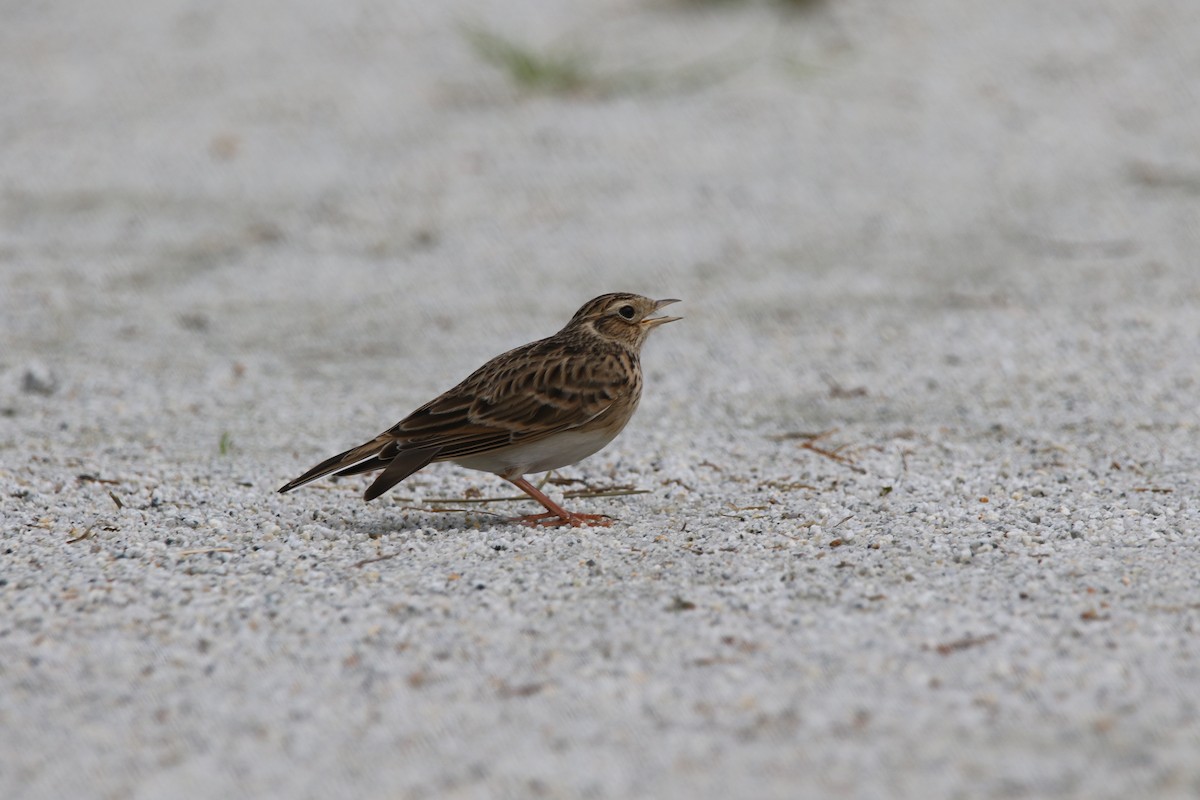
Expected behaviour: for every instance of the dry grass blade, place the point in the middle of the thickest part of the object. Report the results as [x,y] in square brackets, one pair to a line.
[85,535]
[85,478]
[562,70]
[837,390]
[451,510]
[480,501]
[554,72]
[555,480]
[833,455]
[608,491]
[616,491]
[1164,176]
[810,436]
[376,559]
[788,486]
[199,551]
[748,508]
[947,648]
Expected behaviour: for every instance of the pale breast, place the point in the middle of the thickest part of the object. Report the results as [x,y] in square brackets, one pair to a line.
[553,452]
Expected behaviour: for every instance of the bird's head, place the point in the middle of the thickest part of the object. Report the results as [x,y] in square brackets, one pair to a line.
[621,317]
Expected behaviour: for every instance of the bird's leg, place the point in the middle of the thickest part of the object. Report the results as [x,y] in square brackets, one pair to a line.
[555,514]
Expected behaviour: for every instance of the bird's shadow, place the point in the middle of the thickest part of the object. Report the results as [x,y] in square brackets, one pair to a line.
[415,521]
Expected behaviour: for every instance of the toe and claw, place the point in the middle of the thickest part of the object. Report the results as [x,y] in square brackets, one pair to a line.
[555,515]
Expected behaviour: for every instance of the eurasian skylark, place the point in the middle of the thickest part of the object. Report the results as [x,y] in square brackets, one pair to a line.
[539,407]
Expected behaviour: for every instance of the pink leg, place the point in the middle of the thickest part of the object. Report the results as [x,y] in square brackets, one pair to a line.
[556,515]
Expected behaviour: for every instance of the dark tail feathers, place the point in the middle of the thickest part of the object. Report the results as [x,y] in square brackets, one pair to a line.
[381,452]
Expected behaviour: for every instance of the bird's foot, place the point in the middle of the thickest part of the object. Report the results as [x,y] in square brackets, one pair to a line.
[550,519]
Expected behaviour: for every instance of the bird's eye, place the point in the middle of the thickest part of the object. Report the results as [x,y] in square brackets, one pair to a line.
[626,311]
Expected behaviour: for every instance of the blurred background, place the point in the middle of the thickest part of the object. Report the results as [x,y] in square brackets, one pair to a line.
[668,140]
[317,191]
[303,183]
[194,193]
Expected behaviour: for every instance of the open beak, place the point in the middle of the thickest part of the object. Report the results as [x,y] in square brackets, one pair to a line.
[654,322]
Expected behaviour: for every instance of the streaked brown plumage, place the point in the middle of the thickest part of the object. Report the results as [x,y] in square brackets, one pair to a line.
[538,407]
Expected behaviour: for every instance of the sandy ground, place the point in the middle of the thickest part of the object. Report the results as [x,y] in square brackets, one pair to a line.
[958,239]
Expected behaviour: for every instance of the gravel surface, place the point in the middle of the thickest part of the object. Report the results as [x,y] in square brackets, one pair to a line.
[918,469]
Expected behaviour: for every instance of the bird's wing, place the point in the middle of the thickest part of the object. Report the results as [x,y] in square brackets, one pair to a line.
[519,397]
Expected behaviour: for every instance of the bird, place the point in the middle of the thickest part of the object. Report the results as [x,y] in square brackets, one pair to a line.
[538,407]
